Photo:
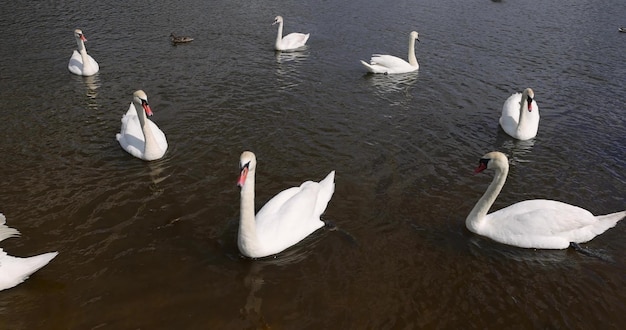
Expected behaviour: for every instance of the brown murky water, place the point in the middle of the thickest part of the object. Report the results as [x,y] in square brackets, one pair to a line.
[153,245]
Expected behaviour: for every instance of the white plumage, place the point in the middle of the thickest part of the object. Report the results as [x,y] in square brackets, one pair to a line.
[15,270]
[537,223]
[286,219]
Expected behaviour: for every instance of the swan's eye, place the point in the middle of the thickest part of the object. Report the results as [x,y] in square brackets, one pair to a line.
[144,102]
[246,165]
[530,99]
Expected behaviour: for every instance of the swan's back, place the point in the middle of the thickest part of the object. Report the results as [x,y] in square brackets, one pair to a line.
[293,214]
[545,224]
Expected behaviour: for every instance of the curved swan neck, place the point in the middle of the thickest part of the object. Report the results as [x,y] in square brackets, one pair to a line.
[83,55]
[279,35]
[523,112]
[247,239]
[478,213]
[412,58]
[149,139]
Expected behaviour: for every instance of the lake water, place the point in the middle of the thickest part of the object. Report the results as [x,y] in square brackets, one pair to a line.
[154,245]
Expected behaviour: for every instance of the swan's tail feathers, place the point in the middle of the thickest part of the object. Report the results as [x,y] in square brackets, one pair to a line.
[328,184]
[608,221]
[36,262]
[6,231]
[368,66]
[16,270]
[327,189]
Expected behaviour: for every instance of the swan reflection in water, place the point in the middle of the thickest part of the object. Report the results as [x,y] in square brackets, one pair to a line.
[283,57]
[254,281]
[518,151]
[392,83]
[91,84]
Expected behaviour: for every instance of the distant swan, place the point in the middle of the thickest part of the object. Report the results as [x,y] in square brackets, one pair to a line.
[520,115]
[390,64]
[15,270]
[139,136]
[179,39]
[284,220]
[537,223]
[622,29]
[291,41]
[81,63]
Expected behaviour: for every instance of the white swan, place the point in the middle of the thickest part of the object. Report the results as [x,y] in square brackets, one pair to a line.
[291,41]
[139,136]
[14,270]
[284,220]
[520,115]
[81,63]
[390,64]
[537,223]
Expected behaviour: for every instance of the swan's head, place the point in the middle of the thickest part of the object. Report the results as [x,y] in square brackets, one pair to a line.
[140,99]
[492,160]
[415,35]
[278,19]
[247,163]
[78,34]
[529,95]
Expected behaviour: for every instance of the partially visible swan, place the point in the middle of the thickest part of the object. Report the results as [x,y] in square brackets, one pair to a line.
[15,270]
[286,219]
[179,39]
[520,115]
[622,29]
[139,136]
[390,64]
[537,223]
[291,41]
[81,63]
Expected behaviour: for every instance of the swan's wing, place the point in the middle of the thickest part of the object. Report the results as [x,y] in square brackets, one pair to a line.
[94,64]
[76,63]
[388,61]
[131,136]
[510,114]
[158,135]
[294,40]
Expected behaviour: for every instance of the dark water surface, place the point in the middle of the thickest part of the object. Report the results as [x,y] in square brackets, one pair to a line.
[153,245]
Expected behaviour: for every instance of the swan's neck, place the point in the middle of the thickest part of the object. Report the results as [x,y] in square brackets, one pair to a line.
[149,139]
[279,35]
[523,113]
[412,58]
[478,213]
[247,238]
[83,55]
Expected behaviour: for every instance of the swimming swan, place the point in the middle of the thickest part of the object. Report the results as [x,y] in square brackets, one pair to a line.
[139,136]
[390,64]
[537,223]
[520,115]
[81,63]
[291,41]
[284,220]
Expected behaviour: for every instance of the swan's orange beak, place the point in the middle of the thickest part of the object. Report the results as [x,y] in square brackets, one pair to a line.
[482,165]
[530,104]
[146,107]
[82,37]
[242,176]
